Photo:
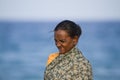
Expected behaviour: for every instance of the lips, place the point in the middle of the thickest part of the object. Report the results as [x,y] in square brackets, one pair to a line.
[61,50]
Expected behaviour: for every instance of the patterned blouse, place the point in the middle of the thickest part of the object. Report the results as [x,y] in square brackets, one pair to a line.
[69,66]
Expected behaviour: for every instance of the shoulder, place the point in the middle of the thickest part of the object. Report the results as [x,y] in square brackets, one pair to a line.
[79,57]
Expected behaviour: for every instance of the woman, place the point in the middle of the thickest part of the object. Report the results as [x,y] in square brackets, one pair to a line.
[68,63]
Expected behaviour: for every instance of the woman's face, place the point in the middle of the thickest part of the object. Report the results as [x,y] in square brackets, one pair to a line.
[63,41]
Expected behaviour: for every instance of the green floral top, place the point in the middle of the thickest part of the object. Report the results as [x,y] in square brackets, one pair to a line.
[69,66]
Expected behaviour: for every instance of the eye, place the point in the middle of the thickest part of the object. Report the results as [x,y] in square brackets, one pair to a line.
[62,41]
[59,41]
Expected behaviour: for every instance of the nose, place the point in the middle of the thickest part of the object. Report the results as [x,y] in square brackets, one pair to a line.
[58,44]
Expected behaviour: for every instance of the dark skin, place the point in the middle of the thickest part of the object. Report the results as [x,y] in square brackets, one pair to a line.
[64,42]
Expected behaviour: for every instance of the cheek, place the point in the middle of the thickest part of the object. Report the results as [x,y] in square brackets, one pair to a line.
[68,46]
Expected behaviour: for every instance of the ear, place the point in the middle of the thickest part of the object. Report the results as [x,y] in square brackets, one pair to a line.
[75,40]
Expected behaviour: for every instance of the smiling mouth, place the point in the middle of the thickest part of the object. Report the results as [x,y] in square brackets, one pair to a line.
[60,49]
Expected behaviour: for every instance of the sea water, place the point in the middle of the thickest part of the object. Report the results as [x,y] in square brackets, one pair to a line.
[25,46]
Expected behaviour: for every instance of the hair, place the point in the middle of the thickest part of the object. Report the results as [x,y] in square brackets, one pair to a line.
[70,27]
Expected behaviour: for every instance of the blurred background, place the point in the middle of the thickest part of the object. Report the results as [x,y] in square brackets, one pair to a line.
[26,35]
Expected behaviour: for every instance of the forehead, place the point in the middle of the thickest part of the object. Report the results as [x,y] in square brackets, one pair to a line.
[61,34]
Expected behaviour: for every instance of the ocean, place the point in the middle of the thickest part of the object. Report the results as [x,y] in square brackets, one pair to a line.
[25,46]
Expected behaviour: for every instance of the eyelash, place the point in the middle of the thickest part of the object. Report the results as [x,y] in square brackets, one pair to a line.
[62,41]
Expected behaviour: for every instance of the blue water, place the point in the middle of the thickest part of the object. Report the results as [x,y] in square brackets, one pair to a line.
[25,46]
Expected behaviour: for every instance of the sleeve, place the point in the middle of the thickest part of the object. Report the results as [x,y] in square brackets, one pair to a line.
[80,70]
[83,71]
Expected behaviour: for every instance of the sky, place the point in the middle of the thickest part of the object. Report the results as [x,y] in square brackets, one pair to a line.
[59,9]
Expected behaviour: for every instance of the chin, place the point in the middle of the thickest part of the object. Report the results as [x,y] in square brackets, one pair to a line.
[61,52]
